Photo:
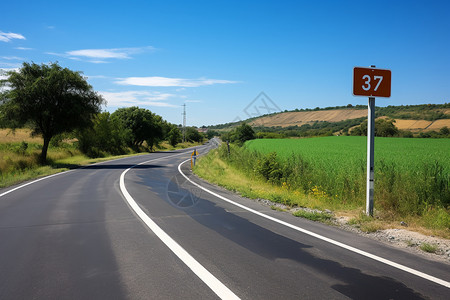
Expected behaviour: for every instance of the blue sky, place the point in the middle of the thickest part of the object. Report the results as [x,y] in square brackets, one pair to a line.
[218,56]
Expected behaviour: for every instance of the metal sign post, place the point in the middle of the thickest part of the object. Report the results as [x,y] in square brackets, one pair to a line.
[371,82]
[370,155]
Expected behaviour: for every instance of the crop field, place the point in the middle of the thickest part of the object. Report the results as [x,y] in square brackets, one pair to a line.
[348,152]
[412,176]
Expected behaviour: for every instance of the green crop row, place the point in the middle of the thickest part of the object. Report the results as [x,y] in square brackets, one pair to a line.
[411,175]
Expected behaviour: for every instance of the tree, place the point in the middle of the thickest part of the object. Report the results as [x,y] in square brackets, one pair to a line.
[174,136]
[383,127]
[143,125]
[244,133]
[212,133]
[48,98]
[444,130]
[192,135]
[106,135]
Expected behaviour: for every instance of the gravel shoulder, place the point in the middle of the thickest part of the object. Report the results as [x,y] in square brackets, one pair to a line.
[401,238]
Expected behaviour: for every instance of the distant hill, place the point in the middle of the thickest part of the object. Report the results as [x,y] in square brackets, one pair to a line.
[414,118]
[300,118]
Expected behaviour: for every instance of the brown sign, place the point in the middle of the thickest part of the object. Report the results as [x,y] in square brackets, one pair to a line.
[371,82]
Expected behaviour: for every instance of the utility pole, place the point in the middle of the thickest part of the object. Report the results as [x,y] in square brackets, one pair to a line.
[184,122]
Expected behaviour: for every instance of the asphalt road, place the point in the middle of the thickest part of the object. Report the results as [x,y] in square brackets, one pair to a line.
[78,235]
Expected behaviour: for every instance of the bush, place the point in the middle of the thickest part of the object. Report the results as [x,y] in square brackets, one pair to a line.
[269,168]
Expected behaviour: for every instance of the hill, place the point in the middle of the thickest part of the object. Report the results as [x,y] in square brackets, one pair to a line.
[300,118]
[413,118]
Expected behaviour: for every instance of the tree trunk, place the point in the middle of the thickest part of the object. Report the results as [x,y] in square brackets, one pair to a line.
[43,157]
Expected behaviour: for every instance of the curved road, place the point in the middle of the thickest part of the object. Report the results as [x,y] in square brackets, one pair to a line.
[87,234]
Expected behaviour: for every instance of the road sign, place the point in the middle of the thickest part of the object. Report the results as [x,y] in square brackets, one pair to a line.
[193,158]
[371,82]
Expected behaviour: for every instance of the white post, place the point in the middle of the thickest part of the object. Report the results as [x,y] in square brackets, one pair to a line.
[370,154]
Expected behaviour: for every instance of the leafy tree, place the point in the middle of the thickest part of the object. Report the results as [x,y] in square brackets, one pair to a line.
[174,136]
[383,127]
[106,135]
[444,130]
[48,98]
[192,135]
[212,133]
[159,131]
[143,125]
[244,133]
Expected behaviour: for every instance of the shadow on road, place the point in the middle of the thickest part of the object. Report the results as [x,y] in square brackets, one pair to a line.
[353,282]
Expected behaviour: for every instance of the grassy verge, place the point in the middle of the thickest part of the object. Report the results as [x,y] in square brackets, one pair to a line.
[19,161]
[244,173]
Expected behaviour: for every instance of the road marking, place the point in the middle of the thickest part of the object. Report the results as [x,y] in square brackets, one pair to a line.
[60,173]
[34,181]
[323,238]
[212,282]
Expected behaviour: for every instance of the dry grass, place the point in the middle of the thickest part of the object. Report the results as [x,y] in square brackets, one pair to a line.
[20,135]
[438,124]
[306,117]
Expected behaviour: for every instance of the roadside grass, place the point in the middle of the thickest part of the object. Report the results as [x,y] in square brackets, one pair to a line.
[240,171]
[19,157]
[214,169]
[430,248]
[313,216]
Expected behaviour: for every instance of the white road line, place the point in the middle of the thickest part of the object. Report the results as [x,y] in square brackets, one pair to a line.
[60,173]
[34,181]
[212,282]
[323,238]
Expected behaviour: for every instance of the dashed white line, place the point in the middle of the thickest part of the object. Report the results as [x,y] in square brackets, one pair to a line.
[323,238]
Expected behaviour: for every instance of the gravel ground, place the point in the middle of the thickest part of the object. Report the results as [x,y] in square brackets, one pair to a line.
[402,238]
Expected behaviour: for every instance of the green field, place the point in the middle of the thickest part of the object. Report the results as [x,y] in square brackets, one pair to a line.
[412,176]
[344,152]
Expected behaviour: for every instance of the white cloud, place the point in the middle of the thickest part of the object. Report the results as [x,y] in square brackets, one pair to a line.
[7,37]
[9,65]
[99,56]
[3,76]
[11,58]
[166,82]
[99,53]
[96,76]
[137,98]
[23,48]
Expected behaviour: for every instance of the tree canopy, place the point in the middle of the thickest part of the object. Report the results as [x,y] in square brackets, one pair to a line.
[48,98]
[143,125]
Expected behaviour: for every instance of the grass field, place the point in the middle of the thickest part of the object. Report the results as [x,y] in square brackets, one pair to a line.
[412,176]
[346,152]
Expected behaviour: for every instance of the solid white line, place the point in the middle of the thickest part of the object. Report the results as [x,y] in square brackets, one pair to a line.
[212,282]
[34,181]
[64,172]
[318,236]
[53,175]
